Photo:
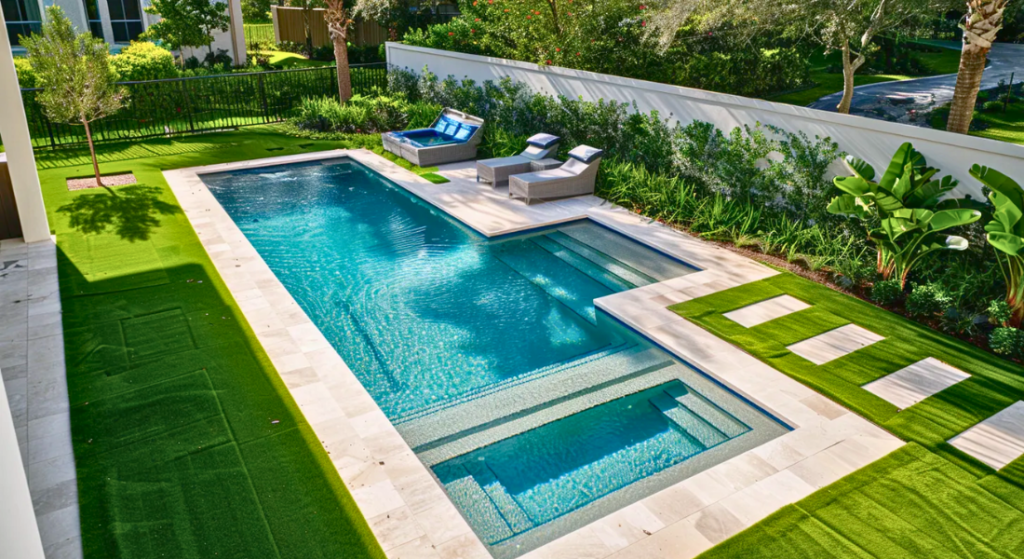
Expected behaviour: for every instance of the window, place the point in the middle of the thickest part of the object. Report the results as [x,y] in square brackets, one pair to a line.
[126,19]
[22,17]
[92,11]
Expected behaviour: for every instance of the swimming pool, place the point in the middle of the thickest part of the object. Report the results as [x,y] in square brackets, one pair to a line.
[537,413]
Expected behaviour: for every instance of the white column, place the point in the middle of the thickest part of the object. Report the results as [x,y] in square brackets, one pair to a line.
[19,533]
[21,162]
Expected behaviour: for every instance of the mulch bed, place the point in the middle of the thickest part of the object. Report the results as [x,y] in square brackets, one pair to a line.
[108,180]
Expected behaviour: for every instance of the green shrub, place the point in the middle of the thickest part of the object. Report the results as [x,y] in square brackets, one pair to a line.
[999,312]
[992,106]
[142,60]
[26,75]
[1007,341]
[359,115]
[928,300]
[887,292]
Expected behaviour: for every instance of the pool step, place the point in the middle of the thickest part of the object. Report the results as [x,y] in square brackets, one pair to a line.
[639,257]
[693,424]
[606,263]
[515,517]
[723,422]
[486,434]
[516,398]
[470,498]
[602,275]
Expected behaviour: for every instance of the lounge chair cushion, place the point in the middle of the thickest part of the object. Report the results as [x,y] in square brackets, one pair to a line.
[586,154]
[447,126]
[464,132]
[543,141]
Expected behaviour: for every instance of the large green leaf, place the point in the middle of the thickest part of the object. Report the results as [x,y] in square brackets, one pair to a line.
[1007,214]
[854,185]
[896,227]
[928,194]
[1009,243]
[904,155]
[999,183]
[849,206]
[887,204]
[953,218]
[905,184]
[860,168]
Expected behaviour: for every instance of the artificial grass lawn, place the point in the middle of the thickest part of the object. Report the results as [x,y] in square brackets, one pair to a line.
[283,60]
[187,443]
[927,500]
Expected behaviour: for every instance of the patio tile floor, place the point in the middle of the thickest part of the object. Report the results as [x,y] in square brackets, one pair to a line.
[912,384]
[32,366]
[996,441]
[834,344]
[765,311]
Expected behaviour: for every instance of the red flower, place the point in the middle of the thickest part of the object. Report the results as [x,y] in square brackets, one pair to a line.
[642,7]
[506,10]
[529,17]
[474,2]
[477,19]
[536,13]
[577,54]
[450,33]
[558,49]
[472,30]
[490,1]
[549,62]
[643,24]
[570,13]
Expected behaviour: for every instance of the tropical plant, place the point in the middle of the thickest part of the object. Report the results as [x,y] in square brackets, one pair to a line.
[983,21]
[78,85]
[338,24]
[1005,232]
[905,215]
[928,299]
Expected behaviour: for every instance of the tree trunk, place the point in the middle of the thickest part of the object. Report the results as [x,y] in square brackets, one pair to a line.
[983,20]
[92,152]
[849,69]
[968,83]
[553,4]
[344,75]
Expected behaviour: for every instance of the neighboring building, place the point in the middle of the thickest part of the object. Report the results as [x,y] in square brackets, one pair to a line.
[117,21]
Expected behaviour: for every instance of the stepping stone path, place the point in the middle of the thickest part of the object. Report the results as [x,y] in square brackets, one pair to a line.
[834,344]
[910,385]
[765,311]
[996,441]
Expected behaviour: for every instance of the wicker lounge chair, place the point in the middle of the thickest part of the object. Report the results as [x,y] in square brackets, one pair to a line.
[576,177]
[496,171]
[454,136]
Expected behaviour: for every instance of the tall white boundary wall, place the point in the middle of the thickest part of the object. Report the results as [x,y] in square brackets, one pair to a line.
[872,140]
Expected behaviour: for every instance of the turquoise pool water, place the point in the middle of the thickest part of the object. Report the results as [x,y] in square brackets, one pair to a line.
[536,412]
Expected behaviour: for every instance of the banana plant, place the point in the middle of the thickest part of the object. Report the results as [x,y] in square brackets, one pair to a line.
[904,211]
[1005,232]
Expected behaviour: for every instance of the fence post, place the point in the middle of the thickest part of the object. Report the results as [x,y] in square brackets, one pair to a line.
[188,106]
[263,99]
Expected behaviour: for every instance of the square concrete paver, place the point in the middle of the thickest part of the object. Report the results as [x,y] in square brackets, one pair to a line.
[996,441]
[834,344]
[910,385]
[765,311]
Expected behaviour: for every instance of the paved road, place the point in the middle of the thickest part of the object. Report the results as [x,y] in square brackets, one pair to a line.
[1004,59]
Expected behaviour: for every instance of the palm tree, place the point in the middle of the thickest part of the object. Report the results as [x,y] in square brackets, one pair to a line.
[338,23]
[983,20]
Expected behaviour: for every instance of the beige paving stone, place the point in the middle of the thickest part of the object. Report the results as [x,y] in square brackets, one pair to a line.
[627,526]
[466,546]
[914,383]
[420,548]
[717,524]
[443,523]
[834,344]
[395,528]
[996,441]
[766,310]
[681,540]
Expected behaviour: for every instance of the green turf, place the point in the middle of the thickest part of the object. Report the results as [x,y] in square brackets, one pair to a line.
[909,504]
[282,60]
[844,519]
[187,444]
[435,178]
[1002,126]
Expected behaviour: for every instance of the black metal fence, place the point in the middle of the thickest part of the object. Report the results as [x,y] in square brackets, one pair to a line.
[202,104]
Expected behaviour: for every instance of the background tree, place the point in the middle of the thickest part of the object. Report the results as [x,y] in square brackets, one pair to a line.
[338,24]
[256,11]
[186,23]
[396,15]
[74,73]
[847,26]
[983,21]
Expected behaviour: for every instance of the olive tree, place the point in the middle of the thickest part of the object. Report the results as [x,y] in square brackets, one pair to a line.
[73,70]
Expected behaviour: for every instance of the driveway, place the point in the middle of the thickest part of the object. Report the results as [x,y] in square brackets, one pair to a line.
[1004,59]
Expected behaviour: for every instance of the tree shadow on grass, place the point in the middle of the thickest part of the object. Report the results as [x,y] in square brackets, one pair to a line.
[131,212]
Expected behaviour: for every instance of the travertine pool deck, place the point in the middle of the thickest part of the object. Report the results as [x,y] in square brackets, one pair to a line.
[35,379]
[996,441]
[409,512]
[916,382]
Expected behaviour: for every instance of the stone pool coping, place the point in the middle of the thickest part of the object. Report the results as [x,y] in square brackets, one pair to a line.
[408,511]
